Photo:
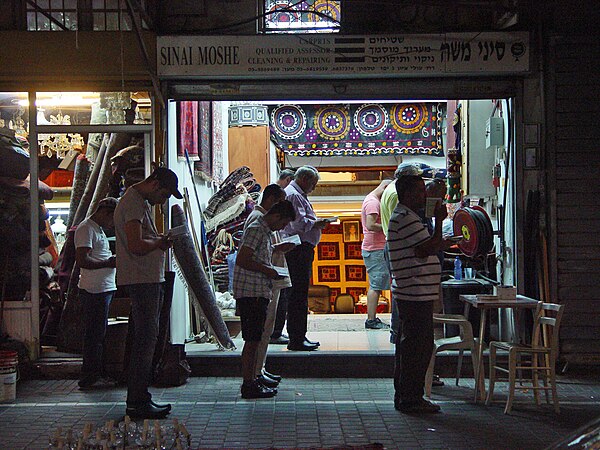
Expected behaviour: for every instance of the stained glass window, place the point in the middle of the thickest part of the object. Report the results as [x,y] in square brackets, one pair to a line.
[305,16]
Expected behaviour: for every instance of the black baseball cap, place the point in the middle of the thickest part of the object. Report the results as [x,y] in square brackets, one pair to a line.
[167,179]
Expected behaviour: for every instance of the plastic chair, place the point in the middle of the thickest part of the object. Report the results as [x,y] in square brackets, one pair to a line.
[464,341]
[344,304]
[539,358]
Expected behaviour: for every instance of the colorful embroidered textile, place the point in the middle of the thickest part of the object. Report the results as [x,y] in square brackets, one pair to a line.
[217,142]
[188,130]
[358,129]
[203,166]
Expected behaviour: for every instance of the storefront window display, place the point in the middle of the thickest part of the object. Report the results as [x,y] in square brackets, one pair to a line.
[89,145]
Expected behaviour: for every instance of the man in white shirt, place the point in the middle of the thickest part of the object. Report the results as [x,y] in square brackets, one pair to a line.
[141,270]
[96,289]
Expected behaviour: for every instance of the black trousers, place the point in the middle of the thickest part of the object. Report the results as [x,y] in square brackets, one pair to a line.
[414,346]
[299,261]
[281,314]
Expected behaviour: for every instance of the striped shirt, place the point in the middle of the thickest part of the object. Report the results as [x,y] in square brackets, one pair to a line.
[413,278]
[249,283]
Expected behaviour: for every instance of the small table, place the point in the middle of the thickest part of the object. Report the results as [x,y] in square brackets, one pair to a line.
[521,302]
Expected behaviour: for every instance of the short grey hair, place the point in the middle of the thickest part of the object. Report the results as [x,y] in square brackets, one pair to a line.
[307,172]
[286,173]
[407,169]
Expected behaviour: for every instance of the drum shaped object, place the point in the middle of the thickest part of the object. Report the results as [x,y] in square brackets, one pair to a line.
[474,225]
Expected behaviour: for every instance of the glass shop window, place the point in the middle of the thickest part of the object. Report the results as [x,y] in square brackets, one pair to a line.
[71,15]
[308,16]
[52,15]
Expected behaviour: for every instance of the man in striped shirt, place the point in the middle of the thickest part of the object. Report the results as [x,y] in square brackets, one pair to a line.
[416,275]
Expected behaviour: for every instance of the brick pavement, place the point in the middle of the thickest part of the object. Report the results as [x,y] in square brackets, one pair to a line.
[307,413]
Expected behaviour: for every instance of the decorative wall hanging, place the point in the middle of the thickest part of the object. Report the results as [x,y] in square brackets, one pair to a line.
[217,142]
[356,292]
[328,251]
[358,129]
[333,228]
[328,274]
[353,250]
[203,166]
[356,273]
[188,130]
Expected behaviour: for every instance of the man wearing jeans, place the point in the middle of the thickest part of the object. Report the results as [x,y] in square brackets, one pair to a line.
[141,269]
[373,253]
[96,289]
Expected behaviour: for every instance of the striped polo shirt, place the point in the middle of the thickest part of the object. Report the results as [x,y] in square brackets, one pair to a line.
[413,279]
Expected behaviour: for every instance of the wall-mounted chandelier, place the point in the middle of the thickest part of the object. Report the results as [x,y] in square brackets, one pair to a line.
[61,144]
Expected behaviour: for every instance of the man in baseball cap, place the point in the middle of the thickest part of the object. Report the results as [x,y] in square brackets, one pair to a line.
[141,252]
[167,179]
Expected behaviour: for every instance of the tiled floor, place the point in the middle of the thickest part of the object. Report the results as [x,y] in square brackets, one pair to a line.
[335,332]
[306,413]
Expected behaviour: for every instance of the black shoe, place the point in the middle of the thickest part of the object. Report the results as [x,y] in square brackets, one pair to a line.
[436,381]
[267,382]
[87,381]
[280,340]
[257,390]
[147,411]
[302,347]
[376,324]
[272,376]
[421,406]
[309,342]
[166,406]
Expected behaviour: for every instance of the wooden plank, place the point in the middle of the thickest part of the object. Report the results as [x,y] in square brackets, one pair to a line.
[566,294]
[580,319]
[567,186]
[575,173]
[579,266]
[576,346]
[587,89]
[576,280]
[564,79]
[578,131]
[570,144]
[587,359]
[577,104]
[576,159]
[573,224]
[575,50]
[576,252]
[583,239]
[580,333]
[566,212]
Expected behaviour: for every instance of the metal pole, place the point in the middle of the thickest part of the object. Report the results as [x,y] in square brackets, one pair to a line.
[34,227]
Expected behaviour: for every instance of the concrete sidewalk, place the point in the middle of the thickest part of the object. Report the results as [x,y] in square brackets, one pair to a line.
[308,413]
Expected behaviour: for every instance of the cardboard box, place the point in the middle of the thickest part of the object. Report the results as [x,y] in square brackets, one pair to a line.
[505,292]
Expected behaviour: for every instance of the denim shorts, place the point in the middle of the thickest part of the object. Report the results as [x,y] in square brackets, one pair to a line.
[377,268]
[253,313]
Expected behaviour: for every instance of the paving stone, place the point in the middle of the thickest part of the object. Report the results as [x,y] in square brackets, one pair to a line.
[331,412]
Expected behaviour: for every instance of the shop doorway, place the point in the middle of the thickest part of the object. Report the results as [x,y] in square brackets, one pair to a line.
[487,179]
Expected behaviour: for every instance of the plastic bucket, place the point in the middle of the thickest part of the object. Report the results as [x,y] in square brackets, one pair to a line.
[8,376]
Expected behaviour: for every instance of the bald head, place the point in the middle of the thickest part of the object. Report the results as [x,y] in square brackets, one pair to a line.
[436,188]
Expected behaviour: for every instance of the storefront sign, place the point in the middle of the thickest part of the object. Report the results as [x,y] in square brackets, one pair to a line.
[301,56]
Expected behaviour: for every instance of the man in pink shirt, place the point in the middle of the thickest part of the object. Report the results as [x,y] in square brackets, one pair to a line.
[373,254]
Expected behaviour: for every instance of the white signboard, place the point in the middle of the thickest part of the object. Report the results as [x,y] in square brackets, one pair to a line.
[318,55]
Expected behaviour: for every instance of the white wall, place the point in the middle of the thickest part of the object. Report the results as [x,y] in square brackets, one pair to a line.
[180,310]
